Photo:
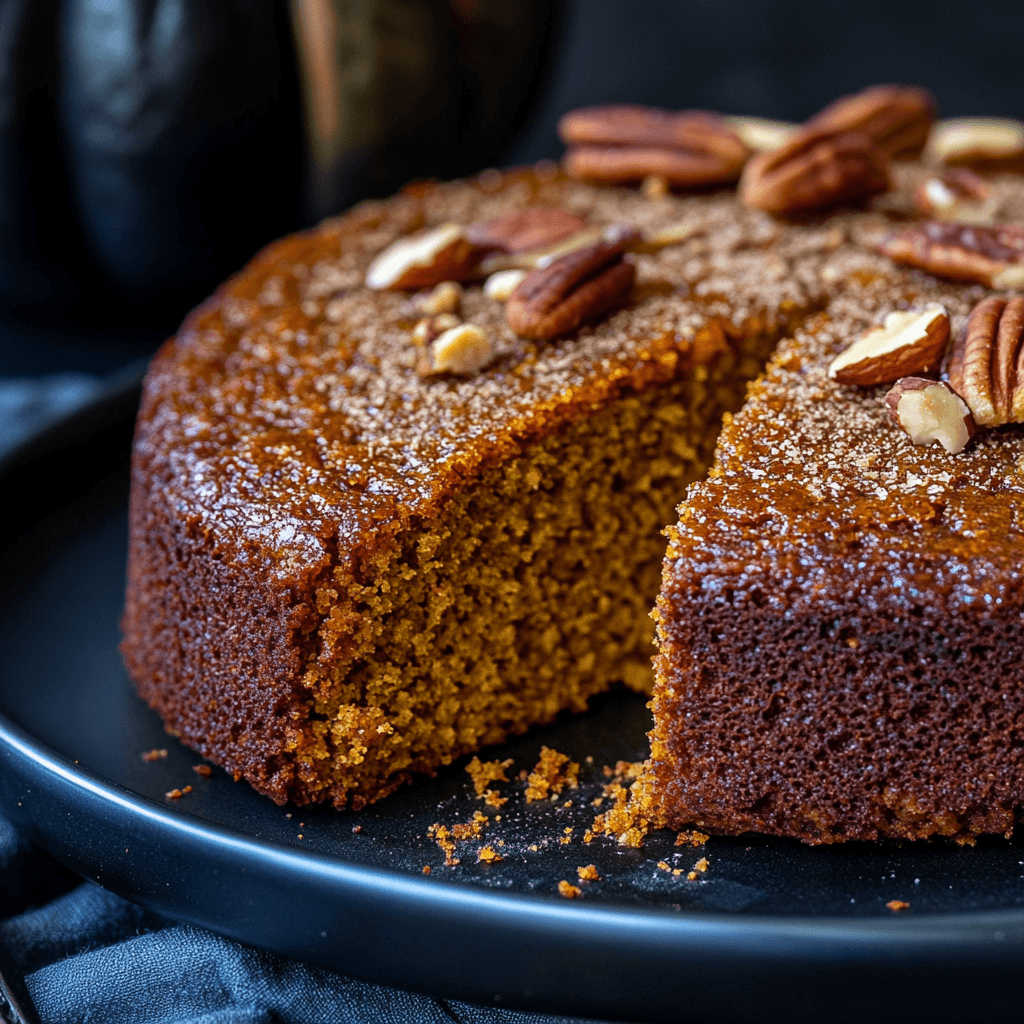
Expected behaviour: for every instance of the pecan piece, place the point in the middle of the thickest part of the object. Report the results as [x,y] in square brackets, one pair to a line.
[909,342]
[586,283]
[986,364]
[621,143]
[812,170]
[993,256]
[984,143]
[896,118]
[425,259]
[761,133]
[522,230]
[958,195]
[930,410]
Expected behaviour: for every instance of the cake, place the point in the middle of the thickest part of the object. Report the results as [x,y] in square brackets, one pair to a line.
[389,506]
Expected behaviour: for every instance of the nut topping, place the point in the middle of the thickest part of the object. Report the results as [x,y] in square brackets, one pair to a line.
[423,260]
[993,256]
[443,298]
[929,410]
[761,134]
[581,285]
[813,170]
[896,118]
[622,143]
[986,364]
[984,143]
[524,230]
[911,342]
[958,195]
[502,284]
[463,350]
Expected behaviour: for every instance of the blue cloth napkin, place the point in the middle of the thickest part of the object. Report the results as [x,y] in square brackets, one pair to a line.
[76,953]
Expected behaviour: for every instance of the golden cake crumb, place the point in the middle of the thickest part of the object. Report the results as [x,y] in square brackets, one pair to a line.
[588,873]
[897,905]
[488,855]
[154,755]
[693,838]
[483,773]
[552,773]
[663,866]
[568,890]
[426,869]
[202,769]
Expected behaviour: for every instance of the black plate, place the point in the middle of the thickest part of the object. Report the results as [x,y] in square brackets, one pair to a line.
[772,930]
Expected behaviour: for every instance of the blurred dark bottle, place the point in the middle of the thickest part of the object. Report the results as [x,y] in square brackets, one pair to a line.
[149,147]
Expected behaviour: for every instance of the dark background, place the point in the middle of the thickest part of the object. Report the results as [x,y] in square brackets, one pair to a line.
[116,218]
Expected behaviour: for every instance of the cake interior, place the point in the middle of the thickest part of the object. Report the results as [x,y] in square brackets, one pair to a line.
[529,593]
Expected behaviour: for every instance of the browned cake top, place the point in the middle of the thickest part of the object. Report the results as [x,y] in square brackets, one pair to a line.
[817,494]
[288,411]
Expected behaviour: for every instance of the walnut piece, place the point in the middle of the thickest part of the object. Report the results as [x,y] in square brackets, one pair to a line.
[462,350]
[930,410]
[909,342]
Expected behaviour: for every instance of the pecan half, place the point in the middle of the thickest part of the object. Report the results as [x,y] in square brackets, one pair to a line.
[522,230]
[584,284]
[896,118]
[812,170]
[984,143]
[929,410]
[986,364]
[958,195]
[622,143]
[993,256]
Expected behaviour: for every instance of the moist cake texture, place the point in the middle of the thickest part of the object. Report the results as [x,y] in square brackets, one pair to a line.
[341,573]
[840,619]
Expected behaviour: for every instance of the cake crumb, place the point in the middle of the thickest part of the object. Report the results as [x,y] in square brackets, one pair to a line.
[588,873]
[154,754]
[202,769]
[625,821]
[357,829]
[897,905]
[568,890]
[698,869]
[494,799]
[483,773]
[552,773]
[692,838]
[662,865]
[426,869]
[588,836]
[488,855]
[177,794]
[461,832]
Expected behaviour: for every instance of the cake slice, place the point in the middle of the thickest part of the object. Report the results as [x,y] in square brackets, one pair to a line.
[840,616]
[343,571]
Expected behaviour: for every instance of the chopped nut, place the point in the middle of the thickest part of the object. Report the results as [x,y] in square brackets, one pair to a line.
[896,118]
[930,410]
[983,143]
[445,297]
[463,350]
[762,134]
[986,366]
[502,284]
[423,260]
[912,342]
[654,186]
[430,328]
[958,195]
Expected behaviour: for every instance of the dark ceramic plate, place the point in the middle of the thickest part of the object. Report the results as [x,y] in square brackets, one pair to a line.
[771,931]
